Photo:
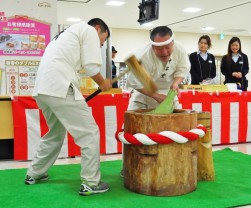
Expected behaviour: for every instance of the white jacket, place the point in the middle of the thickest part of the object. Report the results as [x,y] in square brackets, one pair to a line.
[76,47]
[178,66]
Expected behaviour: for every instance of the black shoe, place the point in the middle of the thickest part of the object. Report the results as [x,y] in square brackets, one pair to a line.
[29,180]
[86,189]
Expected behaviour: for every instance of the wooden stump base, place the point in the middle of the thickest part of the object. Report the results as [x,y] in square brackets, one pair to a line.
[162,169]
[205,167]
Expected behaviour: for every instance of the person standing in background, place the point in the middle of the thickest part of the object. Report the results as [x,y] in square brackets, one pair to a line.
[234,65]
[57,93]
[203,68]
[114,68]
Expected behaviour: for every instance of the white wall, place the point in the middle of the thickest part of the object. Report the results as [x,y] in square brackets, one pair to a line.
[127,41]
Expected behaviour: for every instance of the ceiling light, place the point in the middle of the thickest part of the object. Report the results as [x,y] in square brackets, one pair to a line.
[147,24]
[115,3]
[235,30]
[73,19]
[208,28]
[79,1]
[191,9]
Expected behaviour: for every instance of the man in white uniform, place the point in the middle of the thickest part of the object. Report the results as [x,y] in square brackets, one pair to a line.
[57,93]
[167,63]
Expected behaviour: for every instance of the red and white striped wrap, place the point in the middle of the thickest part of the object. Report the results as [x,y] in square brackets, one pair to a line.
[164,137]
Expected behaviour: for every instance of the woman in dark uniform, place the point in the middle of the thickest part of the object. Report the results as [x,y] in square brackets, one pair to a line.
[234,65]
[203,65]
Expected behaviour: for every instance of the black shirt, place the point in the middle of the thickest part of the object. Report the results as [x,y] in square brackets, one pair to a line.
[201,69]
[228,67]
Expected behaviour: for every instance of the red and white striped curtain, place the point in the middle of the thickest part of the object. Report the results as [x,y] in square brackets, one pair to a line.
[30,126]
[230,114]
[230,120]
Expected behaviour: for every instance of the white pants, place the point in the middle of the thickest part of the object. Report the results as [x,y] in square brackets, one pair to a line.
[74,116]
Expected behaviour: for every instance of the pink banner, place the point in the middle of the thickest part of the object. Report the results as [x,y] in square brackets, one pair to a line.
[22,36]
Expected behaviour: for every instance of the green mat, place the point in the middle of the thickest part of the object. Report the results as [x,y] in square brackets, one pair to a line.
[232,187]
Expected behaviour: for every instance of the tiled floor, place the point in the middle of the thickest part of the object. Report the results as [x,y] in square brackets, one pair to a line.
[10,164]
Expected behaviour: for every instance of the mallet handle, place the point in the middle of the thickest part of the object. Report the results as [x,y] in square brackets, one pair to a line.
[112,81]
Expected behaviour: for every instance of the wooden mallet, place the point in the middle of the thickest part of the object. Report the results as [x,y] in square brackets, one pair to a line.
[139,72]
